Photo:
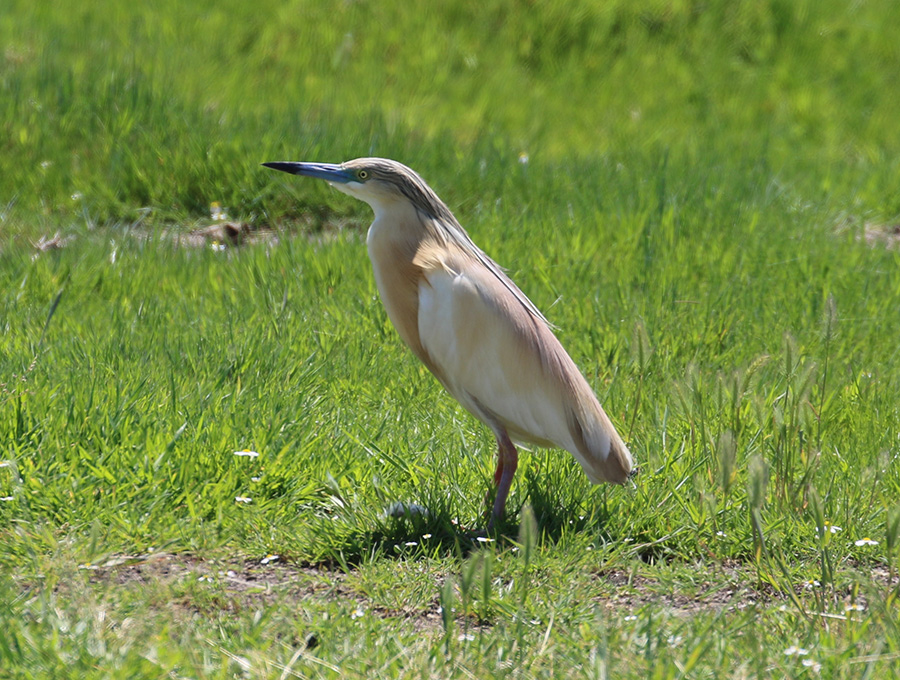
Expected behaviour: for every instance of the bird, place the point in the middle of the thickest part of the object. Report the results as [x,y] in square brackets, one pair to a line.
[472,327]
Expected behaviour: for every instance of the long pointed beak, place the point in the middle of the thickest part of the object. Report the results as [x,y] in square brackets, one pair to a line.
[326,171]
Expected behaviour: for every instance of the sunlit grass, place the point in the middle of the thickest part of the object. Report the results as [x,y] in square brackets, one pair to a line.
[222,462]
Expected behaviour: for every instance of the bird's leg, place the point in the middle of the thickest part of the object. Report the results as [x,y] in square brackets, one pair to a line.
[507,462]
[498,473]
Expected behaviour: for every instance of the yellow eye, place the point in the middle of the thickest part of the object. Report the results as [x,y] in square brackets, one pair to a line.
[363,174]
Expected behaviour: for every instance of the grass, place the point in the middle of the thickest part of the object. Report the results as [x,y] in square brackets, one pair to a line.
[700,197]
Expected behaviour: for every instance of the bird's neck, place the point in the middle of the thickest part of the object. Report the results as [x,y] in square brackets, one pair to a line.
[392,243]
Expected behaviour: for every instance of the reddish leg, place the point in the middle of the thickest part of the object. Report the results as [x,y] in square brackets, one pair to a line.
[498,473]
[507,462]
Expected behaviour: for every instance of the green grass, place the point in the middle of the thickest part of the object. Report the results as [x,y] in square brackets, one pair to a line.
[685,189]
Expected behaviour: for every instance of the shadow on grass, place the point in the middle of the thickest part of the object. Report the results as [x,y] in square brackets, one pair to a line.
[405,529]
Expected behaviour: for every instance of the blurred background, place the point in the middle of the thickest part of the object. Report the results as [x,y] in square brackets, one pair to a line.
[117,112]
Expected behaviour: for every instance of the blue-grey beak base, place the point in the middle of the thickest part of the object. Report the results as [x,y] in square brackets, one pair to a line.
[326,171]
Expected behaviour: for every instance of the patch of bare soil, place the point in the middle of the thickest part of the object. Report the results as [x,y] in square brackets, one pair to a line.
[248,584]
[54,242]
[874,234]
[731,589]
[262,580]
[226,234]
[736,587]
[219,235]
[882,234]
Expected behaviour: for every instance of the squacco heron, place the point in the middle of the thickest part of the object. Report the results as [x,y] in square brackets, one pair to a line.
[480,336]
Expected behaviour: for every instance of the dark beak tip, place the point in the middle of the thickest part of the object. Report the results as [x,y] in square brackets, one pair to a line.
[279,165]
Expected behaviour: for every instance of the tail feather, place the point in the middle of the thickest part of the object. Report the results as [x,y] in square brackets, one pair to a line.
[599,448]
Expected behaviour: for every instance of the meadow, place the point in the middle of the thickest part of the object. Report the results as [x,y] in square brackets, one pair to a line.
[208,446]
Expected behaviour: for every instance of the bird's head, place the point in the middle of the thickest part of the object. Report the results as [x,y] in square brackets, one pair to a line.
[379,182]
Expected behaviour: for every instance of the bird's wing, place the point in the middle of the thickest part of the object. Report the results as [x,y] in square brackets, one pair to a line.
[500,362]
[505,366]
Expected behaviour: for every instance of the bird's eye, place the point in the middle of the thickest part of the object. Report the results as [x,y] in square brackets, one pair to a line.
[363,174]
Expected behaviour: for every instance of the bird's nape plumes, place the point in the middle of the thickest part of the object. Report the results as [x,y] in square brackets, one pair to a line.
[481,336]
[405,181]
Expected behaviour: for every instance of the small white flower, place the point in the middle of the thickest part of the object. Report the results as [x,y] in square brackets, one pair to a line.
[855,608]
[484,539]
[360,612]
[6,498]
[410,544]
[813,664]
[242,661]
[243,499]
[247,453]
[255,479]
[721,534]
[269,559]
[523,158]
[466,637]
[793,650]
[631,617]
[811,583]
[77,196]
[866,541]
[426,536]
[217,212]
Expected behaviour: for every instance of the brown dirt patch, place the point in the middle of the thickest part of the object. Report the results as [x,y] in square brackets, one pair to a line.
[874,234]
[732,589]
[252,584]
[248,584]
